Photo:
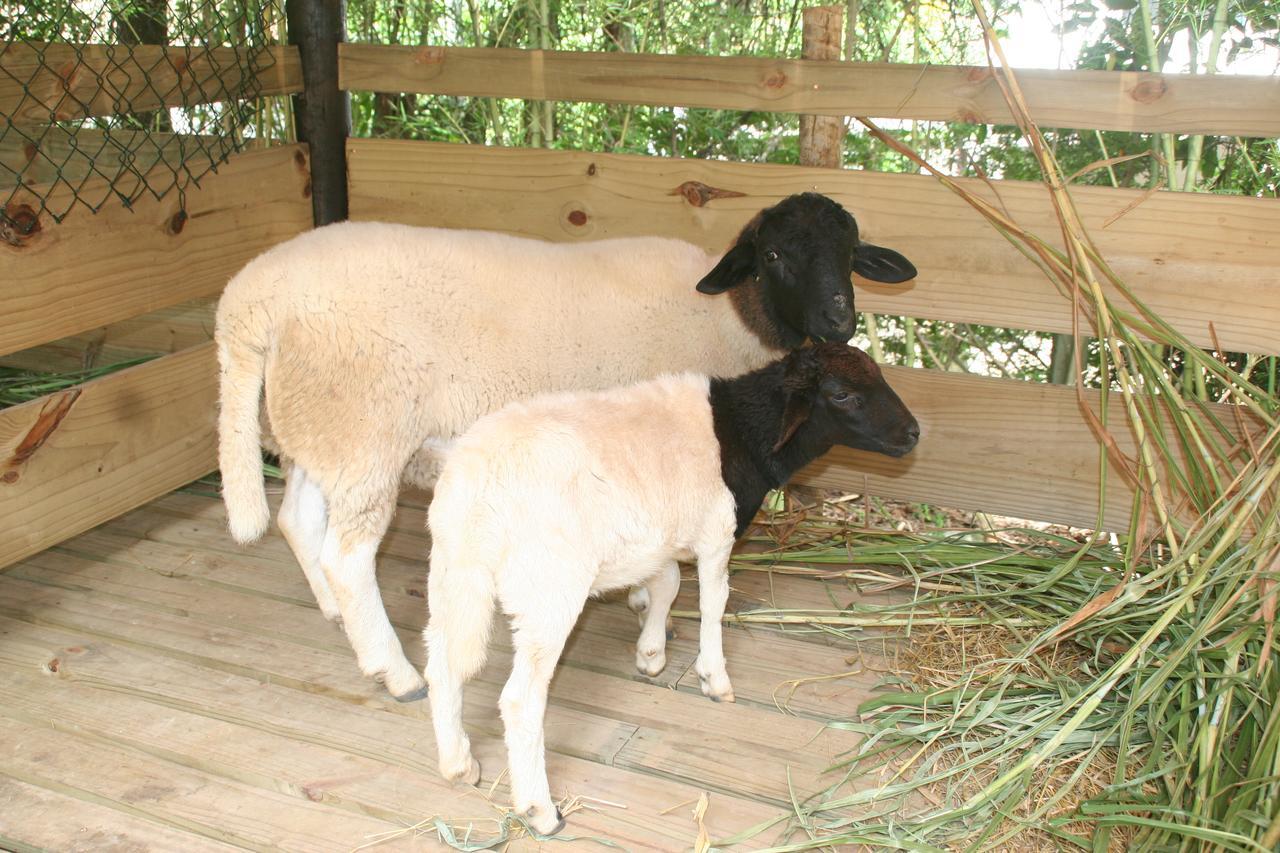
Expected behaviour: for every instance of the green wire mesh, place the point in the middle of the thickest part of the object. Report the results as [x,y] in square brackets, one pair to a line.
[121,99]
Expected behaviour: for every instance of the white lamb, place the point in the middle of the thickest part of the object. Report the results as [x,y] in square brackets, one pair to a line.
[377,344]
[550,501]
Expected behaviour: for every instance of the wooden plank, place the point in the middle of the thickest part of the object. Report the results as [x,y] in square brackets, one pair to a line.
[75,459]
[1000,446]
[63,82]
[1167,249]
[92,270]
[34,819]
[170,794]
[1107,100]
[88,633]
[168,330]
[90,153]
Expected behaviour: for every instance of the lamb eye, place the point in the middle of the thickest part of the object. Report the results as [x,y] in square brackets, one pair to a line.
[846,398]
[771,256]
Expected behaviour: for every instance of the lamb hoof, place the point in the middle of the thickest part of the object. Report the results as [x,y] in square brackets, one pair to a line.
[671,633]
[412,695]
[651,665]
[470,776]
[723,693]
[544,824]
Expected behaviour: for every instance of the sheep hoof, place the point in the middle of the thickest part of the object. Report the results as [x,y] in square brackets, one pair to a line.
[545,826]
[470,776]
[671,633]
[412,695]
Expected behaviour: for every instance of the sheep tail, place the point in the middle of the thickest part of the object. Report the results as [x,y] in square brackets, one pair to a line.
[241,366]
[460,587]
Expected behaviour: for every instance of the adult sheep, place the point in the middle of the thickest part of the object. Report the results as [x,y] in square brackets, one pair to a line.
[377,344]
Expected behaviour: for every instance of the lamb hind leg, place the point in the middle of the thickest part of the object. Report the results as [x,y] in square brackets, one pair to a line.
[303,520]
[350,545]
[651,649]
[539,638]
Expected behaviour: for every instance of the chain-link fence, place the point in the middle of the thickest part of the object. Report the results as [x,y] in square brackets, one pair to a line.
[120,99]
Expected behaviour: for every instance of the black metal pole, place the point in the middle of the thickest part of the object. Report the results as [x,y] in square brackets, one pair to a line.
[323,111]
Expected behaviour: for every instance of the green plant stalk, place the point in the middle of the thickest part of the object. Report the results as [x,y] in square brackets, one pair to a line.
[1195,148]
[1153,64]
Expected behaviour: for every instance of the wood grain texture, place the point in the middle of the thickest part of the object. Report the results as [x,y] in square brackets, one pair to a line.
[168,330]
[1107,100]
[1194,259]
[92,153]
[93,270]
[46,82]
[1001,446]
[73,460]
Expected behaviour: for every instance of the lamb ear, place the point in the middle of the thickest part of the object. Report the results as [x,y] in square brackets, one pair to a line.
[799,383]
[799,405]
[880,264]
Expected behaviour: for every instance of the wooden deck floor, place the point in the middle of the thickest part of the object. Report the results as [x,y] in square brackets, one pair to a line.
[163,689]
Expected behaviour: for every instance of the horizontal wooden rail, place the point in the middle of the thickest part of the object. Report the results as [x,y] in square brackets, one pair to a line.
[41,82]
[1106,100]
[75,459]
[168,330]
[1000,446]
[1194,259]
[90,270]
[92,153]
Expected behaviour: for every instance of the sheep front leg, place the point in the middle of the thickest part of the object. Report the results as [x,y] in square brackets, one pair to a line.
[348,561]
[713,595]
[651,649]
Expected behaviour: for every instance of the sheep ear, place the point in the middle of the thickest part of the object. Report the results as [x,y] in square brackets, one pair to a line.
[880,264]
[737,264]
[799,382]
[799,405]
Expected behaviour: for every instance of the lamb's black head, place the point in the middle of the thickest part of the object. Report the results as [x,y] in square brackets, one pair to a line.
[802,252]
[837,393]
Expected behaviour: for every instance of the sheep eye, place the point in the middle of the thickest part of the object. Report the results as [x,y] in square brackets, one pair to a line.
[846,398]
[771,256]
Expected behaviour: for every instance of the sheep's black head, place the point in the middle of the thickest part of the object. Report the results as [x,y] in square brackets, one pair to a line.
[802,252]
[838,394]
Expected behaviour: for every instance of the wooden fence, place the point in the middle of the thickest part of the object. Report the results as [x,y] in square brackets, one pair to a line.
[997,445]
[73,460]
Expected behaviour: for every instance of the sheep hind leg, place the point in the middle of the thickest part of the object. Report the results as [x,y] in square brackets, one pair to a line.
[303,520]
[457,764]
[350,546]
[638,599]
[651,649]
[539,639]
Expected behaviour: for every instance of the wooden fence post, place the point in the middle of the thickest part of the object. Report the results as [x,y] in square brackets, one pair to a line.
[822,137]
[322,111]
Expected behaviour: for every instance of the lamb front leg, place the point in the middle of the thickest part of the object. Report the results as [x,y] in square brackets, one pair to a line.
[713,595]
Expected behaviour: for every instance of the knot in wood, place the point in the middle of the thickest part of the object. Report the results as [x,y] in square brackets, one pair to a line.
[19,224]
[177,222]
[1149,91]
[776,80]
[429,56]
[698,193]
[578,217]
